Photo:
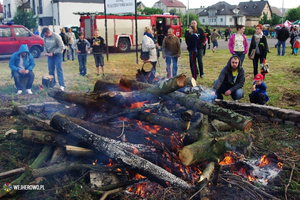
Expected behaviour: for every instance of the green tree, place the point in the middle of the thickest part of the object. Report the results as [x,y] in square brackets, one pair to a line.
[25,18]
[192,16]
[264,19]
[275,20]
[151,11]
[293,14]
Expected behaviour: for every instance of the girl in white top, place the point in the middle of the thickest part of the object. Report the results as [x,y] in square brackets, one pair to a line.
[150,45]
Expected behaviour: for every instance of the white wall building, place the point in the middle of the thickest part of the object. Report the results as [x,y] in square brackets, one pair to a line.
[9,9]
[167,5]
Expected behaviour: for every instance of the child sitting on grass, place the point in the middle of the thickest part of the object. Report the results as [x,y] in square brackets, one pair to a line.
[259,90]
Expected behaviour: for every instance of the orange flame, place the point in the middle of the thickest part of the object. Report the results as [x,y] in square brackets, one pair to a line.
[280,165]
[94,163]
[251,179]
[227,160]
[137,104]
[263,161]
[111,163]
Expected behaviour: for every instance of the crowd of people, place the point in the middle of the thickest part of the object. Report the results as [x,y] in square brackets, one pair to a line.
[230,81]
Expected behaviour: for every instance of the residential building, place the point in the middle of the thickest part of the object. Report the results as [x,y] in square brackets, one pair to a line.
[55,12]
[196,10]
[221,14]
[1,11]
[254,11]
[140,5]
[167,5]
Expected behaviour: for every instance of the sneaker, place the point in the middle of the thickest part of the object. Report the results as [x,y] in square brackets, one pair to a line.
[29,91]
[103,75]
[86,75]
[213,50]
[19,92]
[98,74]
[62,88]
[201,76]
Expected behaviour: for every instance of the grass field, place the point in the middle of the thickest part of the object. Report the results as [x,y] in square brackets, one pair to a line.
[282,81]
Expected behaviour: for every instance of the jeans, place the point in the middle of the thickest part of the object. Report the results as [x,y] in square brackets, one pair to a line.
[72,51]
[82,64]
[241,55]
[257,58]
[168,62]
[56,62]
[259,99]
[17,77]
[200,63]
[283,47]
[236,95]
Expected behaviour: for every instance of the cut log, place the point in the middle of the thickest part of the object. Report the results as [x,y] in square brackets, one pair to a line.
[203,149]
[234,119]
[79,151]
[50,138]
[219,126]
[12,172]
[69,166]
[187,115]
[207,173]
[196,152]
[115,151]
[58,155]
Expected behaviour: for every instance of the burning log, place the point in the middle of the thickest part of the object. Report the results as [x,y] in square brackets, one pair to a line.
[104,86]
[203,149]
[174,124]
[234,119]
[121,98]
[114,150]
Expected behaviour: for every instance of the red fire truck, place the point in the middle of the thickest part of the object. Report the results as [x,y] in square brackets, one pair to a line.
[121,28]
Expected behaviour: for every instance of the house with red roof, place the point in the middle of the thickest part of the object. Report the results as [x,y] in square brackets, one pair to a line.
[167,5]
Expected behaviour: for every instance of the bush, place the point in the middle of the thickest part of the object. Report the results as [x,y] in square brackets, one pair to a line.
[249,31]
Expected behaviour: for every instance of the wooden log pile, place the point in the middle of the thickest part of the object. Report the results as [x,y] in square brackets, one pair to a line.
[152,130]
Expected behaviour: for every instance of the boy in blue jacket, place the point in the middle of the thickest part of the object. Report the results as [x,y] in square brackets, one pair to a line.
[22,64]
[81,45]
[259,90]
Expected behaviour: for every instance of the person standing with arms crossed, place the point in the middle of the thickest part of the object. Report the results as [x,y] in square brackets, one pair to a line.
[54,46]
[171,52]
[71,40]
[98,47]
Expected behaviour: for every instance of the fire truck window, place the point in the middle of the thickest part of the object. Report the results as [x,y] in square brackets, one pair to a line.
[21,32]
[5,32]
[168,22]
[175,21]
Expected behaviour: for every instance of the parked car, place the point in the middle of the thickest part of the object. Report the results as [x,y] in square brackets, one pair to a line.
[12,36]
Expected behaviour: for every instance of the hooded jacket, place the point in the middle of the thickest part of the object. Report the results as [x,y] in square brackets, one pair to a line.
[226,77]
[15,59]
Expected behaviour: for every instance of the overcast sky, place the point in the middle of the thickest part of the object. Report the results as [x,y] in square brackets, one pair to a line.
[198,3]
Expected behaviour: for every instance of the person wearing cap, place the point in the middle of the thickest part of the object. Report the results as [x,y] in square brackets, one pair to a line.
[21,64]
[231,80]
[259,90]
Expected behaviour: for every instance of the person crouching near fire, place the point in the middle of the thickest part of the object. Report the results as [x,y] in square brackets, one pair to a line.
[22,64]
[259,90]
[171,52]
[231,80]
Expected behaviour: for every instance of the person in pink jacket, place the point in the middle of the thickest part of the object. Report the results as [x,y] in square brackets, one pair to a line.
[238,44]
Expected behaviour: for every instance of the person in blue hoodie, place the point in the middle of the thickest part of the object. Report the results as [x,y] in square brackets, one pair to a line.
[22,64]
[231,80]
[259,90]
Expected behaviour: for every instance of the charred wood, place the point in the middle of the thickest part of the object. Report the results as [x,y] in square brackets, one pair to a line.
[115,151]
